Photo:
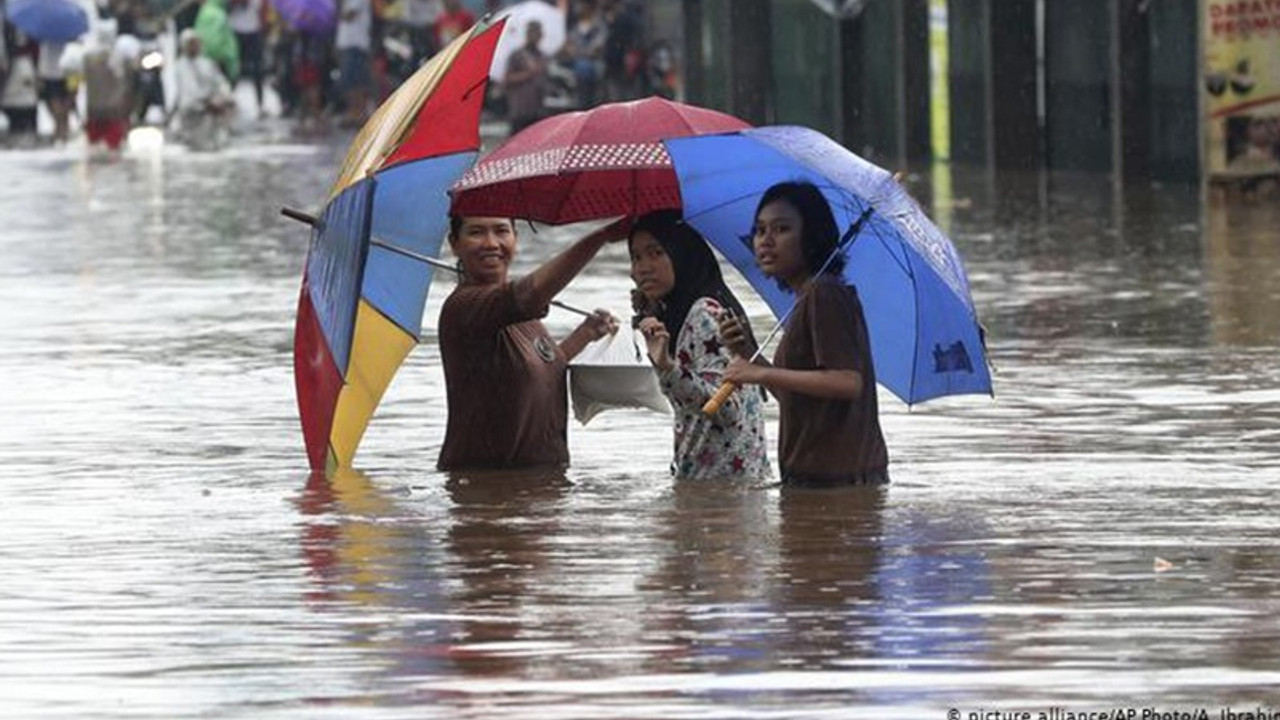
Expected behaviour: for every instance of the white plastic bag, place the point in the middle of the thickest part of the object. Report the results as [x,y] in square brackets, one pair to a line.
[614,372]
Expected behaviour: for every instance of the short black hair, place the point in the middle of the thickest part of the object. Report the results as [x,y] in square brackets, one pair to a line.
[455,224]
[819,236]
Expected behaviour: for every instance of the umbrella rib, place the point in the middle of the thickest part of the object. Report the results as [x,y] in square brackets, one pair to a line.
[915,349]
[442,265]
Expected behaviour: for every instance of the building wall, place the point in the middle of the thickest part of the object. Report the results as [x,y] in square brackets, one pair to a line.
[1105,86]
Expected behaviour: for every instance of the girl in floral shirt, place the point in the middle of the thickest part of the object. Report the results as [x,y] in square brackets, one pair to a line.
[679,287]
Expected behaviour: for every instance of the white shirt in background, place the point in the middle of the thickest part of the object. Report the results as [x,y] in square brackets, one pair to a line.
[50,65]
[198,81]
[247,18]
[357,32]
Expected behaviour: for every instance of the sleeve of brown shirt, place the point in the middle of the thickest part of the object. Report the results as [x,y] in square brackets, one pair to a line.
[488,308]
[836,327]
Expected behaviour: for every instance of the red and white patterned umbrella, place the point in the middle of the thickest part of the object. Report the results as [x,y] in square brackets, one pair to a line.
[598,163]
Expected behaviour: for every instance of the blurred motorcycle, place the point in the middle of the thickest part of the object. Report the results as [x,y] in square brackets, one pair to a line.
[149,87]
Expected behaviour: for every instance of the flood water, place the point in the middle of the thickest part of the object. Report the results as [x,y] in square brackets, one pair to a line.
[1105,533]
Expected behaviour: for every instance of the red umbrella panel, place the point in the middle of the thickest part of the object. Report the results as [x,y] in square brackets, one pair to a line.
[365,283]
[603,162]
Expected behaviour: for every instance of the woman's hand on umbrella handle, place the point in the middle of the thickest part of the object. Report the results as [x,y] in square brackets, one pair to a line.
[656,337]
[600,324]
[734,335]
[739,372]
[712,406]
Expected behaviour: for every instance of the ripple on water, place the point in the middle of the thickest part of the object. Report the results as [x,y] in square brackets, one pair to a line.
[1104,528]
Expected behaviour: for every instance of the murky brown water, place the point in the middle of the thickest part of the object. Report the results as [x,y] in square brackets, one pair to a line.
[167,556]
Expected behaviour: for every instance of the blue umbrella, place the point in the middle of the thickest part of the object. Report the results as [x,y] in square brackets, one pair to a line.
[925,338]
[51,20]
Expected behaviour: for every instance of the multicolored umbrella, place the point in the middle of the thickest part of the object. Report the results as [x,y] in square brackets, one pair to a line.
[49,20]
[309,16]
[925,338]
[367,272]
[598,163]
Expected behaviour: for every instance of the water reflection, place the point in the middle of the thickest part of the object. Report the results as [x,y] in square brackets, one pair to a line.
[1242,253]
[829,551]
[160,539]
[707,596]
[365,552]
[498,550]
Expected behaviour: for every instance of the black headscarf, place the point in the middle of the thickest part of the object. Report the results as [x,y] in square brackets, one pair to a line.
[697,275]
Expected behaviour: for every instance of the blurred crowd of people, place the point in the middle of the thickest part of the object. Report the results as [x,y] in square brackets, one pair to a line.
[160,61]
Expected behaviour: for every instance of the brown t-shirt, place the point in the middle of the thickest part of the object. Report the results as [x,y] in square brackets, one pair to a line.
[505,379]
[822,441]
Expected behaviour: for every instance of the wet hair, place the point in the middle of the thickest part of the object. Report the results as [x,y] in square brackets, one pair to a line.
[697,274]
[819,235]
[455,224]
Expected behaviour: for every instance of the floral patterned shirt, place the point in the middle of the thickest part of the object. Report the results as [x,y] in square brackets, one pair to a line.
[730,444]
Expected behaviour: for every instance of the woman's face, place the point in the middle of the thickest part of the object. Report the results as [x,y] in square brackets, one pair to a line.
[485,245]
[777,242]
[651,267]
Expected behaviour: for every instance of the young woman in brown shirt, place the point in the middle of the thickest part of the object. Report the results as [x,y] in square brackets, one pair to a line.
[504,374]
[829,430]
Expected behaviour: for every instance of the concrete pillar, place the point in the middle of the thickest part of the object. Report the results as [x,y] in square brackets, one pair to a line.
[916,89]
[750,60]
[1015,122]
[884,82]
[727,56]
[1158,98]
[992,60]
[1081,71]
[805,44]
[707,71]
[969,81]
[1174,92]
[1134,55]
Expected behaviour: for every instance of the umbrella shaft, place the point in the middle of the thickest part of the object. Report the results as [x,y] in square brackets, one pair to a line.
[437,263]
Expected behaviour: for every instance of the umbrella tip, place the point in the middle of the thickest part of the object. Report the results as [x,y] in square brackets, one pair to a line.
[300,216]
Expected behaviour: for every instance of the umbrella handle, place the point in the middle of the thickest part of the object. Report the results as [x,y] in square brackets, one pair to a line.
[302,217]
[712,406]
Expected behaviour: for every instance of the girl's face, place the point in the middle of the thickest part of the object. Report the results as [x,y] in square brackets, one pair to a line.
[651,267]
[777,242]
[485,246]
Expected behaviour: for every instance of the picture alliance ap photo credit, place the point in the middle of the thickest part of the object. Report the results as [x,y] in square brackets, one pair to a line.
[1122,713]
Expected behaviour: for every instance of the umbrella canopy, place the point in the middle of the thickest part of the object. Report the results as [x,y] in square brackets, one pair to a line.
[518,18]
[365,283]
[316,17]
[925,337]
[49,20]
[603,162]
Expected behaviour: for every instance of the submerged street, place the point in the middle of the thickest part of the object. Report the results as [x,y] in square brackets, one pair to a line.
[1104,528]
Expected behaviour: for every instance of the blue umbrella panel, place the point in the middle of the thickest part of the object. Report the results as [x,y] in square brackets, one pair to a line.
[925,338]
[49,20]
